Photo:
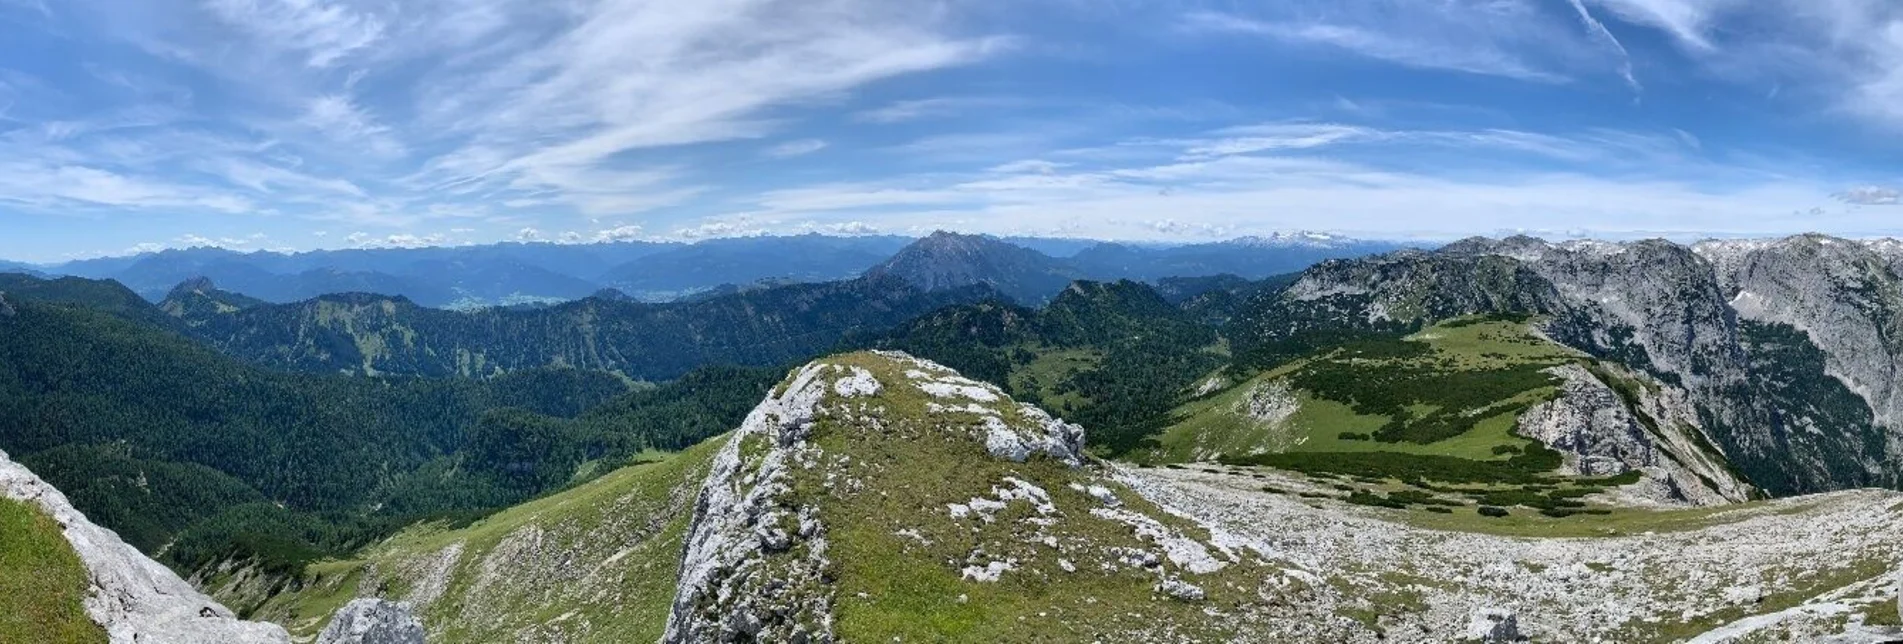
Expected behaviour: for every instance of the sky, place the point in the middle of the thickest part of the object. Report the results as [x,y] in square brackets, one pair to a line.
[135,125]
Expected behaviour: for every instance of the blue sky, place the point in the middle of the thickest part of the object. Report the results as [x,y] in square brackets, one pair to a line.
[298,124]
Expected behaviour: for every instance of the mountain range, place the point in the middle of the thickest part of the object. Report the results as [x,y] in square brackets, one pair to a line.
[522,273]
[1497,440]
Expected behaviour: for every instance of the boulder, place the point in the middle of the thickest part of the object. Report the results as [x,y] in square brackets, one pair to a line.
[373,621]
[1492,625]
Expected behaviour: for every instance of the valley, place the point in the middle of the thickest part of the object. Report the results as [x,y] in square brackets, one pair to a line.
[1499,440]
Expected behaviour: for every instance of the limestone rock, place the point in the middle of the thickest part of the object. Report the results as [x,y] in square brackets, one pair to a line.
[1600,435]
[373,621]
[1493,625]
[726,590]
[136,600]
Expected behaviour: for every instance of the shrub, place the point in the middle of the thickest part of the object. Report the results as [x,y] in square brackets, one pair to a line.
[1490,511]
[1376,500]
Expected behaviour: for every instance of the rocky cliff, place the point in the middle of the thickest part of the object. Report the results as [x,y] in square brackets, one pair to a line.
[133,598]
[1644,427]
[1786,353]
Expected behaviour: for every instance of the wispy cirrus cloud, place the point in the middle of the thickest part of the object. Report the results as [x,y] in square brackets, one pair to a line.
[1478,38]
[798,148]
[322,32]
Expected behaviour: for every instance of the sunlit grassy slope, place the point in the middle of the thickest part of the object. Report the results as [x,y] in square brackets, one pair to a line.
[1221,425]
[596,563]
[41,581]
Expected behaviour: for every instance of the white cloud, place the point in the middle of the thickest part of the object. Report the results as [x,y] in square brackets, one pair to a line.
[714,229]
[1479,38]
[397,240]
[1870,196]
[635,75]
[1036,166]
[619,234]
[801,147]
[321,31]
[265,178]
[1685,20]
[46,186]
[1274,188]
[529,235]
[1603,35]
[931,108]
[339,117]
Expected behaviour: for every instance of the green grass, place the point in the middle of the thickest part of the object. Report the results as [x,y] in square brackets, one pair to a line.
[42,582]
[1882,613]
[911,590]
[1050,370]
[1441,404]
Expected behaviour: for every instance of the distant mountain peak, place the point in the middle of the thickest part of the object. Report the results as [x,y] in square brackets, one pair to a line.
[200,285]
[947,260]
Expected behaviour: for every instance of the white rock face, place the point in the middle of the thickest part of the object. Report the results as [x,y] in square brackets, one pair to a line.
[1270,403]
[725,589]
[1493,625]
[373,621]
[1599,435]
[134,598]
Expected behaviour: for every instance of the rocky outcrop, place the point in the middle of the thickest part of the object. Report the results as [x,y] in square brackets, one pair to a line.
[6,310]
[373,621]
[1494,626]
[831,463]
[136,600]
[729,590]
[1601,433]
